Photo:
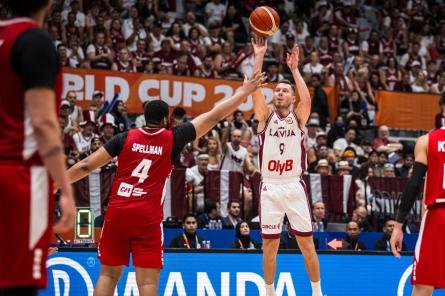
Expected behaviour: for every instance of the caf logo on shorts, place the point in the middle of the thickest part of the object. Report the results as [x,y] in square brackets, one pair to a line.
[289,120]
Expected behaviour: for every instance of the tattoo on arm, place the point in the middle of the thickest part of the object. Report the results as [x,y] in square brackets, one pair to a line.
[52,152]
[84,168]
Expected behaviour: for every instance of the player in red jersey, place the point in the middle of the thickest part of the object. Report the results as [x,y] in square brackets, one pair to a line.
[133,223]
[30,147]
[429,261]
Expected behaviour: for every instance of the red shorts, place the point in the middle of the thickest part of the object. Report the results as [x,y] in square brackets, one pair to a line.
[26,213]
[429,257]
[125,231]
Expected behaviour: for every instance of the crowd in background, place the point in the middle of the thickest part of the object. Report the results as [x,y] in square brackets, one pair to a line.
[358,47]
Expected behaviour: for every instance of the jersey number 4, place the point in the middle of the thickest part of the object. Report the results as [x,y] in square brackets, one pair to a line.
[141,170]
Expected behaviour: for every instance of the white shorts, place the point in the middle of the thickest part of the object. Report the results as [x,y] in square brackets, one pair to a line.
[291,199]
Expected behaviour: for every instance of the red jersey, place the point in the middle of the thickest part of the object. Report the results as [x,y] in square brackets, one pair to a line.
[145,158]
[435,184]
[17,141]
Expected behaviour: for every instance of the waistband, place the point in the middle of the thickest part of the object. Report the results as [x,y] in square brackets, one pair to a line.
[281,181]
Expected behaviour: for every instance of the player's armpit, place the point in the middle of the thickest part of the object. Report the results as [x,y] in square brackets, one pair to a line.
[84,167]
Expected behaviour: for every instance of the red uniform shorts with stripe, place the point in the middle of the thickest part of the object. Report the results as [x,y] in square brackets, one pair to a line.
[278,199]
[125,232]
[26,213]
[429,257]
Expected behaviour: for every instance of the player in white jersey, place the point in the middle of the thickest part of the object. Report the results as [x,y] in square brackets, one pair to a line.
[282,159]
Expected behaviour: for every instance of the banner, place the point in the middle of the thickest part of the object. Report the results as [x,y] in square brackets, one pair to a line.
[385,194]
[239,274]
[195,95]
[407,110]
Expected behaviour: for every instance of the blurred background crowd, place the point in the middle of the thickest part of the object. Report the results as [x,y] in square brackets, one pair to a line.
[358,47]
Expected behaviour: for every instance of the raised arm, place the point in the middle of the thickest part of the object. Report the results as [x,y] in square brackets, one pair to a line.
[204,122]
[303,108]
[410,193]
[84,167]
[259,101]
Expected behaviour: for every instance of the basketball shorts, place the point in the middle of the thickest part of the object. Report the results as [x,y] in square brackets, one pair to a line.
[429,256]
[125,232]
[291,199]
[26,213]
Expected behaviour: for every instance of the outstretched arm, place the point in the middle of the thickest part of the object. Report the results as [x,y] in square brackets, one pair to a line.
[204,122]
[303,108]
[259,101]
[84,167]
[410,193]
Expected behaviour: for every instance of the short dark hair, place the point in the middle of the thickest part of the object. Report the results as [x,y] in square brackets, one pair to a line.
[26,7]
[178,112]
[188,215]
[210,205]
[155,111]
[233,201]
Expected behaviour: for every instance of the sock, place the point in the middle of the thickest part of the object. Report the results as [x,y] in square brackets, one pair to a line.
[270,291]
[316,288]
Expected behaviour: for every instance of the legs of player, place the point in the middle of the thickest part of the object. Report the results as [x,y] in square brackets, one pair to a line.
[422,290]
[270,249]
[147,280]
[307,247]
[108,278]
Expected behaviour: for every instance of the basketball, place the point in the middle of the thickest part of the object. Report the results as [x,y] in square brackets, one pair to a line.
[264,21]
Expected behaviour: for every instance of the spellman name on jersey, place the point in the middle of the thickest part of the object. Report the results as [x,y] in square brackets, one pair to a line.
[147,149]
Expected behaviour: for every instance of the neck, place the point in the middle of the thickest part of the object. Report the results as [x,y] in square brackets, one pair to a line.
[39,17]
[86,134]
[283,111]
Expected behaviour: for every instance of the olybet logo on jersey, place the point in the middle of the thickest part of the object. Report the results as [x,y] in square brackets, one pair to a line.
[125,189]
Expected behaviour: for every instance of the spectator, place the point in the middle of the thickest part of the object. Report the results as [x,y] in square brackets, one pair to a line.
[244,60]
[360,216]
[208,68]
[141,57]
[98,54]
[194,38]
[324,54]
[238,120]
[404,85]
[337,130]
[64,60]
[75,53]
[71,125]
[383,244]
[343,168]
[350,241]
[420,84]
[84,137]
[348,141]
[176,35]
[319,220]
[211,212]
[392,73]
[383,144]
[233,217]
[372,46]
[190,19]
[243,240]
[107,127]
[156,37]
[70,29]
[233,27]
[123,62]
[408,59]
[95,144]
[224,61]
[75,10]
[340,81]
[120,114]
[323,168]
[272,72]
[313,67]
[408,162]
[189,239]
[215,11]
[195,176]
[116,35]
[312,127]
[75,111]
[235,156]
[388,170]
[165,55]
[439,87]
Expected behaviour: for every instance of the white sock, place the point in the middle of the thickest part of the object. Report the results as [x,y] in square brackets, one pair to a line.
[270,291]
[316,288]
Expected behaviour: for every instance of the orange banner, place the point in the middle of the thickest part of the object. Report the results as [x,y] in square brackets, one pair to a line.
[196,95]
[406,110]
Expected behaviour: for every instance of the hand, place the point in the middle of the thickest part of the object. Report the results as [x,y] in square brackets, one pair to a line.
[293,58]
[68,209]
[397,239]
[257,80]
[259,45]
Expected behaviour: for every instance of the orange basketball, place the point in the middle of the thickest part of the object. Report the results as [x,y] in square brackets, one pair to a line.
[264,21]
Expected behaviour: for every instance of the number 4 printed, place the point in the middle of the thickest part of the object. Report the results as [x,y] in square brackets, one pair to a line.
[141,170]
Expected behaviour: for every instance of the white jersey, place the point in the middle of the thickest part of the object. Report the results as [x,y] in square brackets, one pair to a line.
[282,155]
[234,159]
